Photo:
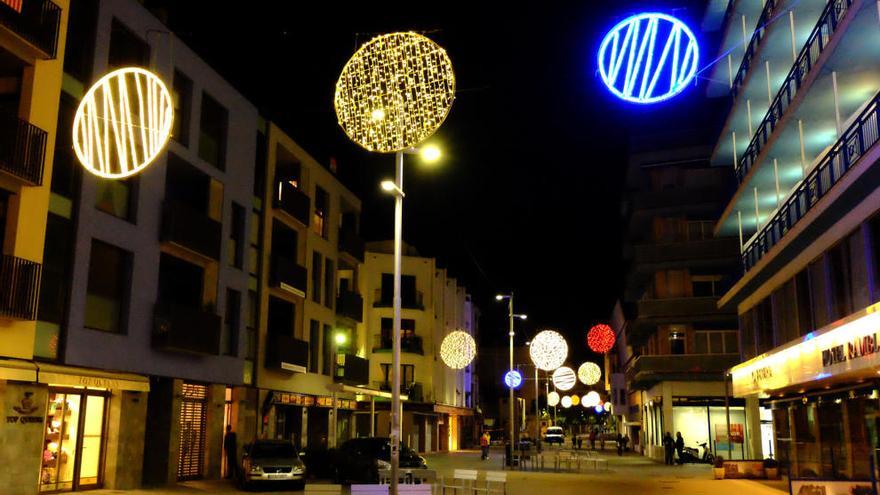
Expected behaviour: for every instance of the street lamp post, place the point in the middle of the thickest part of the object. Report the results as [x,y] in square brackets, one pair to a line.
[510,316]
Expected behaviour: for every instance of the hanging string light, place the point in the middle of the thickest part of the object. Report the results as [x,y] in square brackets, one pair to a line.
[552,399]
[458,349]
[589,373]
[548,350]
[564,378]
[601,338]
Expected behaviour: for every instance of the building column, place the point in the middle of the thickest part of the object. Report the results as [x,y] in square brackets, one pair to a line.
[214,430]
[753,429]
[372,416]
[304,436]
[332,424]
[667,422]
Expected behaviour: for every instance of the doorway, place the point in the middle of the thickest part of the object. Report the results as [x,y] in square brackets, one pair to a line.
[73,443]
[193,415]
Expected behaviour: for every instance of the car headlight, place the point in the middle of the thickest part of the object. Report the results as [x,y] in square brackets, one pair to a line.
[256,469]
[423,461]
[298,469]
[383,464]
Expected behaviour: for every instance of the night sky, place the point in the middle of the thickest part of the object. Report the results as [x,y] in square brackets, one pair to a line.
[529,194]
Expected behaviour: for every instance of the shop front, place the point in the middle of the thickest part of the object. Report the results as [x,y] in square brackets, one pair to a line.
[305,419]
[822,391]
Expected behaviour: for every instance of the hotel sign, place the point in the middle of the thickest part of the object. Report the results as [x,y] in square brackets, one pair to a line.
[847,347]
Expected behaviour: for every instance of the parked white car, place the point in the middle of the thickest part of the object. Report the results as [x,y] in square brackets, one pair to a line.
[554,434]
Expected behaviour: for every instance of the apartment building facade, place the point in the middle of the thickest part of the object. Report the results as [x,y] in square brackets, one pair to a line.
[801,134]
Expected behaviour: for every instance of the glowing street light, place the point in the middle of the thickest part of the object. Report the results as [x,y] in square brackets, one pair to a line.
[341,338]
[430,153]
[510,316]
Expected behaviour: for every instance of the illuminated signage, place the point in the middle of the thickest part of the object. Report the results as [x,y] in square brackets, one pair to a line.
[14,4]
[648,58]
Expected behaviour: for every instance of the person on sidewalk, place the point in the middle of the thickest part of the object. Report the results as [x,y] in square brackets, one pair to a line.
[668,448]
[619,444]
[484,445]
[679,446]
[230,444]
[593,434]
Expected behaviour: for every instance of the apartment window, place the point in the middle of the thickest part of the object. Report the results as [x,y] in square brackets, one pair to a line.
[253,323]
[839,273]
[677,342]
[81,25]
[819,292]
[282,317]
[55,284]
[327,365]
[698,230]
[314,345]
[715,342]
[180,282]
[181,93]
[126,48]
[785,312]
[329,289]
[316,277]
[706,285]
[408,293]
[117,198]
[747,334]
[212,132]
[229,342]
[322,212]
[407,375]
[108,288]
[804,311]
[66,169]
[254,241]
[235,245]
[407,329]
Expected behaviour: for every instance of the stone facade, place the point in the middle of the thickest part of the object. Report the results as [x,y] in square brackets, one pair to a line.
[22,405]
[124,454]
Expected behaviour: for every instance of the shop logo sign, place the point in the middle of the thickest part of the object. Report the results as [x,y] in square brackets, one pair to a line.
[26,407]
[858,348]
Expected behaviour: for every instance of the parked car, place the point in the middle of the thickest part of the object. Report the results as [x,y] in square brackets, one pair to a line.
[554,434]
[271,461]
[359,460]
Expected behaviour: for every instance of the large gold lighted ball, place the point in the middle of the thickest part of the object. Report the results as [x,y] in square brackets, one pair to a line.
[123,122]
[548,350]
[458,349]
[394,92]
[589,373]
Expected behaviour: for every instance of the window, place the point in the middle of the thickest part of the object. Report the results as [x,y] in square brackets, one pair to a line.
[407,375]
[254,241]
[715,342]
[108,288]
[282,317]
[322,212]
[235,249]
[819,293]
[126,48]
[408,294]
[314,345]
[65,166]
[81,24]
[804,312]
[117,197]
[327,365]
[764,338]
[407,329]
[180,282]
[706,285]
[212,132]
[329,290]
[676,342]
[253,323]
[840,275]
[181,93]
[55,284]
[261,163]
[229,342]
[316,277]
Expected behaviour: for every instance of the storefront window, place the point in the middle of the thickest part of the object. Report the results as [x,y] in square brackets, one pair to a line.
[833,446]
[73,441]
[806,430]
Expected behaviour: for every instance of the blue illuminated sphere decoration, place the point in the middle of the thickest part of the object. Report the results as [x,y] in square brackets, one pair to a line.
[599,409]
[513,379]
[648,58]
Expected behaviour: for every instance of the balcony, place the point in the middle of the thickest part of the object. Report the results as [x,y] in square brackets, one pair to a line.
[754,43]
[413,390]
[842,156]
[351,243]
[645,371]
[190,229]
[409,300]
[820,38]
[183,329]
[292,201]
[411,345]
[350,305]
[286,353]
[20,280]
[676,307]
[22,147]
[656,256]
[285,274]
[35,21]
[352,370]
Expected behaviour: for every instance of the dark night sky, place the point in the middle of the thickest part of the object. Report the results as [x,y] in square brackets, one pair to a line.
[528,197]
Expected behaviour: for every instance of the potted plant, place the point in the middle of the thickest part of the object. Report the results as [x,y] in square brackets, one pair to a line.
[771,468]
[718,467]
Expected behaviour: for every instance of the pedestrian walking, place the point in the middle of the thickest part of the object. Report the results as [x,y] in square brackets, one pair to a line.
[580,442]
[619,444]
[485,440]
[593,434]
[668,448]
[626,443]
[230,444]
[574,441]
[679,445]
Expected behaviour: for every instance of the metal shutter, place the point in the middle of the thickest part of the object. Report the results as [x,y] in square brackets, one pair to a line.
[193,412]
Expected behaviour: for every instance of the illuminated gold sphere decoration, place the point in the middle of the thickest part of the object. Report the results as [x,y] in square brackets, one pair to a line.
[552,399]
[566,402]
[458,349]
[585,401]
[123,122]
[575,400]
[564,378]
[589,373]
[592,399]
[548,350]
[394,92]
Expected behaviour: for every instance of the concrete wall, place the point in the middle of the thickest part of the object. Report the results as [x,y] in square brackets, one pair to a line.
[124,445]
[21,454]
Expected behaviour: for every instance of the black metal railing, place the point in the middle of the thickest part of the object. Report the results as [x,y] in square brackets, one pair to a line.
[809,55]
[20,280]
[37,21]
[845,152]
[413,390]
[352,370]
[189,228]
[292,200]
[185,329]
[350,242]
[412,344]
[22,148]
[287,274]
[408,300]
[752,48]
[351,305]
[286,353]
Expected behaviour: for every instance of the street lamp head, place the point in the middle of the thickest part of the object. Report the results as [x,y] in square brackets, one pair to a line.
[388,185]
[501,297]
[341,338]
[522,317]
[430,153]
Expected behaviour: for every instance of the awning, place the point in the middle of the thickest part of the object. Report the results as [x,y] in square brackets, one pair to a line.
[54,374]
[453,410]
[339,387]
[20,371]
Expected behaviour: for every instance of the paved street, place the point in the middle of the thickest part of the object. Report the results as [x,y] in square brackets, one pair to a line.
[626,475]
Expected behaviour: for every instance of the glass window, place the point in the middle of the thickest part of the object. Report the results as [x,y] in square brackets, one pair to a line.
[314,345]
[281,317]
[329,289]
[676,342]
[229,343]
[212,132]
[117,197]
[322,212]
[81,24]
[701,342]
[316,277]
[66,169]
[180,282]
[108,287]
[839,271]
[126,48]
[181,93]
[804,311]
[327,345]
[235,249]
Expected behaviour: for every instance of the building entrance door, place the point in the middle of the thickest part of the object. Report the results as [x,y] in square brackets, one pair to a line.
[193,412]
[74,440]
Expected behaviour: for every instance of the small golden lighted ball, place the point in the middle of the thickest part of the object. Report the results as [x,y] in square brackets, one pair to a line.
[552,399]
[458,349]
[548,350]
[575,400]
[589,373]
[394,92]
[564,378]
[122,123]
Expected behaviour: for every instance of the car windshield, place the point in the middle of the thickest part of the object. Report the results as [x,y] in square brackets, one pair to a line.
[277,450]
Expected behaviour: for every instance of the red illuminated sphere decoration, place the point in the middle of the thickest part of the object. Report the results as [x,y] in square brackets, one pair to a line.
[601,338]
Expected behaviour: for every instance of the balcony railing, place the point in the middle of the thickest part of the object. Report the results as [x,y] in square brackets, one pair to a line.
[809,55]
[191,229]
[709,249]
[350,242]
[645,370]
[412,345]
[22,148]
[413,390]
[843,155]
[677,307]
[292,201]
[752,48]
[286,274]
[409,300]
[184,329]
[20,280]
[37,21]
[351,305]
[352,370]
[286,353]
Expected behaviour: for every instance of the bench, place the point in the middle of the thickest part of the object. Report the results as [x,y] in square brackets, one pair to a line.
[322,489]
[496,482]
[463,479]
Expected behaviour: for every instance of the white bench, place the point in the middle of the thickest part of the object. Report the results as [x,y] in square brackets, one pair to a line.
[322,489]
[463,479]
[496,482]
[420,489]
[369,489]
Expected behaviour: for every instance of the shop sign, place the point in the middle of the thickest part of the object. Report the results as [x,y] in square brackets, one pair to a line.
[25,410]
[736,434]
[850,346]
[822,487]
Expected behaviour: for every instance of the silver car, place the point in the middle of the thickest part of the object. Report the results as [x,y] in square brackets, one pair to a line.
[554,434]
[265,461]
